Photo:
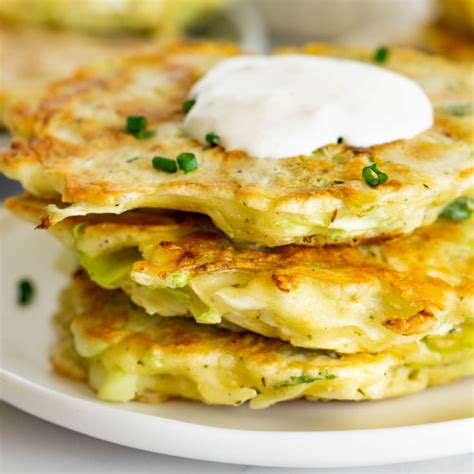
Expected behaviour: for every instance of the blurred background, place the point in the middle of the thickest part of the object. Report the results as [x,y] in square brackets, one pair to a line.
[44,40]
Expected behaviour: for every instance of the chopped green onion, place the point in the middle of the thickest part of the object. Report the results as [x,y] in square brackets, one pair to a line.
[145,134]
[459,110]
[131,160]
[327,375]
[188,105]
[459,210]
[136,125]
[25,292]
[165,164]
[324,375]
[381,55]
[372,176]
[302,379]
[213,139]
[187,162]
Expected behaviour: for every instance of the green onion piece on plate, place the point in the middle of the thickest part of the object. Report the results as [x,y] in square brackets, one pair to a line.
[25,292]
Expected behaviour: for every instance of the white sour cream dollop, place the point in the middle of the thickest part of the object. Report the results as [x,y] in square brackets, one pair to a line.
[284,106]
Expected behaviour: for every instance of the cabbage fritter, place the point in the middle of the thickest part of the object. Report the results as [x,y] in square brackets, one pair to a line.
[341,298]
[125,354]
[458,15]
[438,40]
[31,59]
[452,35]
[108,16]
[75,146]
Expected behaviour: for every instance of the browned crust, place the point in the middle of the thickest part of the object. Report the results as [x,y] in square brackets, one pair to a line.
[32,58]
[176,357]
[194,247]
[419,323]
[65,365]
[441,40]
[294,186]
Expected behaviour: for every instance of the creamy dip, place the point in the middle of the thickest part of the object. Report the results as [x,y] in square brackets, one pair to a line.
[290,105]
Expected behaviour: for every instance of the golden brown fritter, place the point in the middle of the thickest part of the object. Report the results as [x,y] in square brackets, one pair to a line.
[439,40]
[74,147]
[458,15]
[348,299]
[31,59]
[125,354]
[108,16]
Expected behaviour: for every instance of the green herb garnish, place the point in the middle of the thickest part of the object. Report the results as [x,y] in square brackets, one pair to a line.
[187,162]
[459,210]
[459,110]
[213,139]
[164,164]
[188,105]
[131,160]
[137,126]
[381,55]
[327,375]
[302,379]
[25,292]
[340,140]
[146,134]
[324,375]
[372,176]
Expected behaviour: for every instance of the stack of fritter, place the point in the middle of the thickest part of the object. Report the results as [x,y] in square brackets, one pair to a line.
[303,281]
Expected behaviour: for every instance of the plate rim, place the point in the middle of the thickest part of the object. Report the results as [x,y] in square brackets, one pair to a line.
[237,446]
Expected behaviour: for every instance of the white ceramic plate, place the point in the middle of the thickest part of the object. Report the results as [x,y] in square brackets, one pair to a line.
[297,434]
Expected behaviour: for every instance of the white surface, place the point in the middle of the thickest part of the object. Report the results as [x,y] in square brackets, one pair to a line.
[30,445]
[371,22]
[296,434]
[289,105]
